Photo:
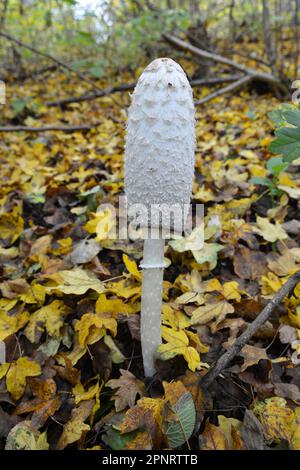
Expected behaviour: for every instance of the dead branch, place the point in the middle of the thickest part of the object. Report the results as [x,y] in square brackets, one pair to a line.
[130,87]
[234,86]
[85,127]
[91,96]
[50,57]
[254,74]
[227,357]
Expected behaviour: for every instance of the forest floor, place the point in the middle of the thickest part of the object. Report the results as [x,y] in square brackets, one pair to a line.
[69,312]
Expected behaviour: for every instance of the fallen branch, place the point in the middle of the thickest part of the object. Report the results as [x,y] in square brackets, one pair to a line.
[227,357]
[234,86]
[254,74]
[85,127]
[130,87]
[91,96]
[50,57]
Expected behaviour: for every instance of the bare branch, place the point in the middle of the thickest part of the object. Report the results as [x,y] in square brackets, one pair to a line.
[234,86]
[227,357]
[130,86]
[85,127]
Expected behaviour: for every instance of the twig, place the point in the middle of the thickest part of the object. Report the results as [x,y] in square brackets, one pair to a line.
[255,74]
[234,86]
[91,96]
[48,56]
[225,359]
[130,87]
[85,127]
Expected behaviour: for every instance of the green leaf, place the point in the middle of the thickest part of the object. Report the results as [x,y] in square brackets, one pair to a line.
[116,440]
[261,181]
[276,165]
[292,116]
[180,425]
[287,143]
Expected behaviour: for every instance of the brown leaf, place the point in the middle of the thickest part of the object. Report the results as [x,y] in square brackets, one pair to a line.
[202,400]
[76,426]
[287,390]
[12,289]
[148,413]
[142,441]
[128,388]
[69,373]
[213,438]
[252,355]
[249,264]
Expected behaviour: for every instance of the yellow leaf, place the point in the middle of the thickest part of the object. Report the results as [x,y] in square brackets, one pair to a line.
[24,436]
[76,426]
[132,268]
[50,317]
[177,342]
[10,324]
[16,374]
[81,394]
[147,413]
[270,284]
[214,310]
[90,329]
[76,281]
[277,419]
[270,232]
[174,318]
[11,225]
[9,253]
[229,290]
[103,224]
[114,306]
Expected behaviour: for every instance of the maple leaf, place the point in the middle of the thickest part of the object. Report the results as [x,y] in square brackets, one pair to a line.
[128,388]
[252,355]
[50,317]
[10,324]
[249,264]
[148,413]
[92,327]
[16,374]
[279,421]
[132,268]
[24,436]
[76,426]
[103,224]
[177,342]
[45,403]
[81,394]
[270,232]
[77,281]
[213,310]
[174,318]
[11,225]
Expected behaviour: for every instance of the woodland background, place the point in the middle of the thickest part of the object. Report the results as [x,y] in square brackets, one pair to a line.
[71,371]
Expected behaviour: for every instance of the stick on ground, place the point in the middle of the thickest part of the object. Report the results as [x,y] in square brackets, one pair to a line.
[227,357]
[85,127]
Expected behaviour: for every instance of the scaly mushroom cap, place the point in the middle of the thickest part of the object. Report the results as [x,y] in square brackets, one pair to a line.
[160,140]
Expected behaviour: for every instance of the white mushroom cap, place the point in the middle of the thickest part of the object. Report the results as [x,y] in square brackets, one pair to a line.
[160,141]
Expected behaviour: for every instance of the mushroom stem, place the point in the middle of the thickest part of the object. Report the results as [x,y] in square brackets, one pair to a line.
[152,286]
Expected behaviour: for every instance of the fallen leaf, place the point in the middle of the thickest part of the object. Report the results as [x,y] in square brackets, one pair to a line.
[128,388]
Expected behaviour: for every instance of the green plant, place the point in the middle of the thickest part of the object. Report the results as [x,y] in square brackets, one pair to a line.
[286,144]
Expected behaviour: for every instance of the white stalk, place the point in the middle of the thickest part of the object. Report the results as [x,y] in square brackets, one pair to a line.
[153,268]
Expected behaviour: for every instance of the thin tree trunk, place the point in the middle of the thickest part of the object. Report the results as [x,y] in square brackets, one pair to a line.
[269,44]
[3,14]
